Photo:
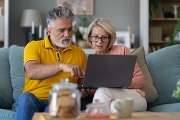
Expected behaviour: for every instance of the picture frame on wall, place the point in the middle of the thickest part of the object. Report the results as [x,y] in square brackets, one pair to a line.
[123,38]
[78,7]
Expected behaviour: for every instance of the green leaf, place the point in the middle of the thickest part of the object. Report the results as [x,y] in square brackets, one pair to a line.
[176,93]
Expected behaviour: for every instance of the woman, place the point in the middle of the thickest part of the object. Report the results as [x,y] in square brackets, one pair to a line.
[101,36]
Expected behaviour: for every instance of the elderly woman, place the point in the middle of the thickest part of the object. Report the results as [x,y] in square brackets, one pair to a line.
[101,36]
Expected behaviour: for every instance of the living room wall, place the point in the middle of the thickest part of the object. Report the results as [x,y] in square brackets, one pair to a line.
[121,13]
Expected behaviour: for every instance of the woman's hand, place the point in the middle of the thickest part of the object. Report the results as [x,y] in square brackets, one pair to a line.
[84,92]
[87,92]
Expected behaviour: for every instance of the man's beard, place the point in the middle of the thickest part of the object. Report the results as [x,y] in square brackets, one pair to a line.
[62,43]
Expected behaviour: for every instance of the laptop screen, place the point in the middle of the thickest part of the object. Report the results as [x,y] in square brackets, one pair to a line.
[109,70]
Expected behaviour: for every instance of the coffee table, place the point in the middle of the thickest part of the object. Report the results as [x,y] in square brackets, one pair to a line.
[135,116]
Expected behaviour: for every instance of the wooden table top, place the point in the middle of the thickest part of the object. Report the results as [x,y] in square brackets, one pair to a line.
[135,116]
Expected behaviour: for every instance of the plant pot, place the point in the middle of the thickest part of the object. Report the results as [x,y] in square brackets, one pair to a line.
[82,44]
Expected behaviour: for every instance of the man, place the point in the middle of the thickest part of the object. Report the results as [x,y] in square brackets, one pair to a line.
[48,61]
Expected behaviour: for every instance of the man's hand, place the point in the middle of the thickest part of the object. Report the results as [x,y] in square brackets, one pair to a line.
[73,69]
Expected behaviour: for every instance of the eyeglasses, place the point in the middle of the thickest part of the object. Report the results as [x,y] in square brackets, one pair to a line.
[103,39]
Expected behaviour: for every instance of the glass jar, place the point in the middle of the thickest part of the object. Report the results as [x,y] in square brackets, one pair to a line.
[97,110]
[64,100]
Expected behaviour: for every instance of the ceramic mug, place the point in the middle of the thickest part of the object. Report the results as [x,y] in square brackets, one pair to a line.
[124,107]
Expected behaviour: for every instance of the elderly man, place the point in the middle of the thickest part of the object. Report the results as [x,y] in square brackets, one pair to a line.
[49,60]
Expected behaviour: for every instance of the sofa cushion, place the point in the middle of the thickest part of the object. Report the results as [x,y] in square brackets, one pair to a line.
[164,66]
[150,91]
[6,99]
[16,69]
[173,107]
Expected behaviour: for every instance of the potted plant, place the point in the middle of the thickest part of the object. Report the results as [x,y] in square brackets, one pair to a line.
[176,31]
[155,10]
[80,29]
[176,34]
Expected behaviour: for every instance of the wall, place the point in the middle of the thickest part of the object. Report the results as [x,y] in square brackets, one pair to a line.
[121,13]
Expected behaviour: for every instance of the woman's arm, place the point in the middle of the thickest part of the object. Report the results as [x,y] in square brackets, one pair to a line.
[138,80]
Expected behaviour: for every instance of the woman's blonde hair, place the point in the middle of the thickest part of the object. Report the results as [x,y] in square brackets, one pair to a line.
[107,26]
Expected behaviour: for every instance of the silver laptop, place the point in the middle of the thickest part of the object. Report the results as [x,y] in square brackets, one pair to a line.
[109,71]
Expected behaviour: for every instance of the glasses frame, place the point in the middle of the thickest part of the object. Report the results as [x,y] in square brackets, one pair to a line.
[100,38]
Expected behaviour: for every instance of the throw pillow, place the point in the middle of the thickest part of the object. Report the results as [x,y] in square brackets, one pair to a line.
[150,91]
[6,99]
[16,70]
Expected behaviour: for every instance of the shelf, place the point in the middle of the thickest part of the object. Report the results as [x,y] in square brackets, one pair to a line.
[162,42]
[170,0]
[164,19]
[163,26]
[153,46]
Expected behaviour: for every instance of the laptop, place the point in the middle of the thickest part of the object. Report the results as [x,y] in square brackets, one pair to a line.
[113,71]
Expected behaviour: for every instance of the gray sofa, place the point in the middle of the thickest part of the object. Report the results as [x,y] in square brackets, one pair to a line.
[164,67]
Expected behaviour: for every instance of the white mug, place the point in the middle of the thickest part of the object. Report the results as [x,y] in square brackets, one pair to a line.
[124,107]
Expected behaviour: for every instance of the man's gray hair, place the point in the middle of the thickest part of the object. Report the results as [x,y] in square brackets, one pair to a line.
[59,12]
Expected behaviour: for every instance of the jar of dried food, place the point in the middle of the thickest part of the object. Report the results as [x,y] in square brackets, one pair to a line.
[64,100]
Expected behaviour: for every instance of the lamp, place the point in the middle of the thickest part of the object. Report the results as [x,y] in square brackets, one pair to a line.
[31,18]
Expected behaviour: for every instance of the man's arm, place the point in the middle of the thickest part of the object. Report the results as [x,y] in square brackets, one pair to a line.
[35,70]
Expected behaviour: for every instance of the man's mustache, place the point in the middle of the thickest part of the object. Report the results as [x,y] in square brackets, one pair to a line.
[66,38]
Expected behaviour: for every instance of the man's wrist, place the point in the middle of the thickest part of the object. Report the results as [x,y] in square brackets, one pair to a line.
[61,66]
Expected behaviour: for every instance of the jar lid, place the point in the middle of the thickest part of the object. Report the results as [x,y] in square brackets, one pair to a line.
[64,84]
[97,104]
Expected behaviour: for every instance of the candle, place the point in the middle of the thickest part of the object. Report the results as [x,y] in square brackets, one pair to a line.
[32,27]
[40,31]
[44,33]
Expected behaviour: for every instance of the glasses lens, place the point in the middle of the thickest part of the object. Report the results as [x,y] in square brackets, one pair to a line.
[104,39]
[96,38]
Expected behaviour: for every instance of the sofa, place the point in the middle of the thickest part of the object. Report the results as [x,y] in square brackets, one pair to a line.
[163,66]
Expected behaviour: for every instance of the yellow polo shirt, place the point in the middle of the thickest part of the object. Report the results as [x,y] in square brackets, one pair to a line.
[43,52]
